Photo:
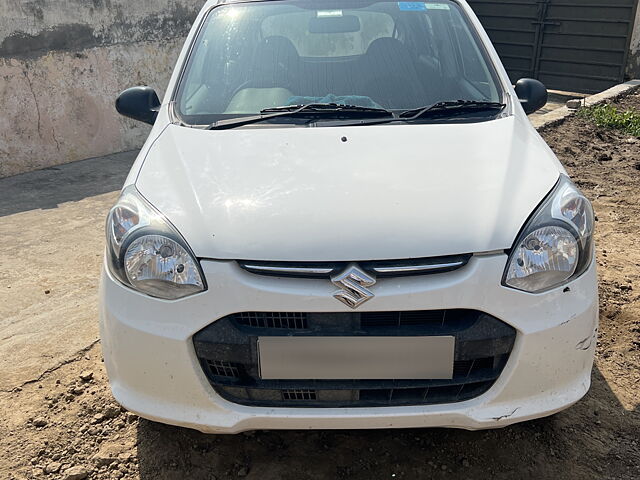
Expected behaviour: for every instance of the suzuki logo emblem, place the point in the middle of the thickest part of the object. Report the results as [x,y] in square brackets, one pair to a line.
[352,283]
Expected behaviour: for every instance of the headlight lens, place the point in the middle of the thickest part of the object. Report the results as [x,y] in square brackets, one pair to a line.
[556,245]
[161,267]
[146,253]
[547,256]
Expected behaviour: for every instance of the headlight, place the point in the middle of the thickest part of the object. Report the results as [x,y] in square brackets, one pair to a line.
[146,253]
[556,245]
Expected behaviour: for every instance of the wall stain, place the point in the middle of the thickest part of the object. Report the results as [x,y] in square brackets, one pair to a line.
[61,37]
[169,24]
[35,9]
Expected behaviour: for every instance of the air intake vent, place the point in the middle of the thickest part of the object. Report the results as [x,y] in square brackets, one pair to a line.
[465,368]
[294,321]
[223,369]
[300,395]
[401,319]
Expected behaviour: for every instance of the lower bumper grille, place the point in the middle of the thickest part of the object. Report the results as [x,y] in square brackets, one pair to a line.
[228,353]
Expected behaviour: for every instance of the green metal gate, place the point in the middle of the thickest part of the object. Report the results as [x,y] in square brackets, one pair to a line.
[573,45]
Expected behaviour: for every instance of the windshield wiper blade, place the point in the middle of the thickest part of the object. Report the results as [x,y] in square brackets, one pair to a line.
[326,107]
[457,106]
[449,108]
[295,110]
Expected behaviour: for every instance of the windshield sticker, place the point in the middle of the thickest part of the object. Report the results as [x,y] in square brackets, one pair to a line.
[329,13]
[412,6]
[421,6]
[437,6]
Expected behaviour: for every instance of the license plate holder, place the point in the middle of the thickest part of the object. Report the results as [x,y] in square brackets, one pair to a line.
[356,358]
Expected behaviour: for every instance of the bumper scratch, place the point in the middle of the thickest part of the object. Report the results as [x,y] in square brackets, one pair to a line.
[587,342]
[497,419]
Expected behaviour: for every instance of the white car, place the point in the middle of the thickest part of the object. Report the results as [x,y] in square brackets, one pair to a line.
[343,218]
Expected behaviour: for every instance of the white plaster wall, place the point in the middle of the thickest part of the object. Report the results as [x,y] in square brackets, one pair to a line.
[62,64]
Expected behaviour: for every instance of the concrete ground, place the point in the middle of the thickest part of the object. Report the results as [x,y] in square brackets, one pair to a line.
[557,99]
[51,227]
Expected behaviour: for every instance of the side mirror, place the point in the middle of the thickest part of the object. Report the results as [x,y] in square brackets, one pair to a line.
[139,103]
[532,94]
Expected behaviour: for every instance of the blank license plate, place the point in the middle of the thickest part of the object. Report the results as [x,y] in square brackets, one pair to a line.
[356,358]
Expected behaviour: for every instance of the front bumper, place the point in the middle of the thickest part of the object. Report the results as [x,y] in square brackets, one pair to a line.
[154,372]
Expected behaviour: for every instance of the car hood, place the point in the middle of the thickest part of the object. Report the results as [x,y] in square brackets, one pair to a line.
[349,193]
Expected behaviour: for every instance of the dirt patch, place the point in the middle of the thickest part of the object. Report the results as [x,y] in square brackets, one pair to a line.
[66,424]
[605,164]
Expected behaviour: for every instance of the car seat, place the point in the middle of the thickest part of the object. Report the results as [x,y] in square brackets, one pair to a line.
[391,78]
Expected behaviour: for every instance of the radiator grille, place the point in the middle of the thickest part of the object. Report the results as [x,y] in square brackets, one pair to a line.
[379,268]
[228,352]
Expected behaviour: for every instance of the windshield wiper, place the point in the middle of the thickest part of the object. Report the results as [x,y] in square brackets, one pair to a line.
[447,109]
[450,107]
[301,110]
[326,107]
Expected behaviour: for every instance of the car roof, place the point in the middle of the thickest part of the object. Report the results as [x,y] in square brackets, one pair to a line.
[213,3]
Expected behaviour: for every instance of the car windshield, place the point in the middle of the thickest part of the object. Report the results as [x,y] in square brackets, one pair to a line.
[396,56]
